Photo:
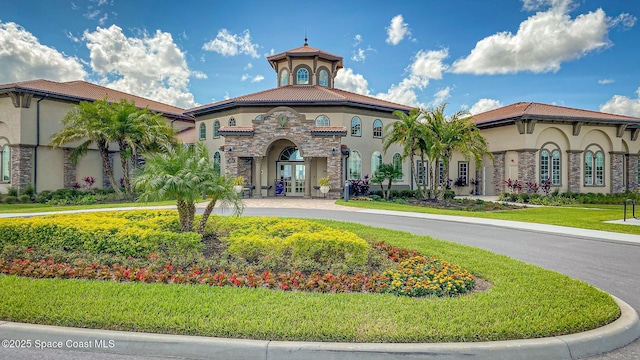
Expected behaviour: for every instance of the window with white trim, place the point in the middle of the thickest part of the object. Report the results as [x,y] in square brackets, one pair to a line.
[5,169]
[376,161]
[323,120]
[356,126]
[232,122]
[216,128]
[594,166]
[421,170]
[284,77]
[303,77]
[323,78]
[203,131]
[397,164]
[355,165]
[377,128]
[463,172]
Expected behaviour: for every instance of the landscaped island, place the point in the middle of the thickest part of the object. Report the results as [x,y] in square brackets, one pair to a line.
[286,279]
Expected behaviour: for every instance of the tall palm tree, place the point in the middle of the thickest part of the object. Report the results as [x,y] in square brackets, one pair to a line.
[87,122]
[135,131]
[409,134]
[183,173]
[449,134]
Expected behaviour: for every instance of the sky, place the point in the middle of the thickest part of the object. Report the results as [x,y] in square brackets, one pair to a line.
[472,55]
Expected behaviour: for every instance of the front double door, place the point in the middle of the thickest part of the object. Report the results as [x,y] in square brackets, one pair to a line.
[294,176]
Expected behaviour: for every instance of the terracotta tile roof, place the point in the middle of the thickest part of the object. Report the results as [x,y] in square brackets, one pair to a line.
[531,110]
[329,129]
[236,129]
[82,90]
[305,50]
[301,95]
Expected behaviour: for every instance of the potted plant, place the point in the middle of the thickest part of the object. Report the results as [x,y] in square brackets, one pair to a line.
[325,185]
[238,184]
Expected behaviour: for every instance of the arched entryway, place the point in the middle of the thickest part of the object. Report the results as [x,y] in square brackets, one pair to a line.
[291,171]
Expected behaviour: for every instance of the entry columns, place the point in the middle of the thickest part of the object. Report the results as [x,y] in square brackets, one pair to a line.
[307,177]
[257,178]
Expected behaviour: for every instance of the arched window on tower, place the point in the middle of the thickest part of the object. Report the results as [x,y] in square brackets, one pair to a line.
[284,77]
[303,77]
[323,79]
[322,120]
[377,128]
[356,126]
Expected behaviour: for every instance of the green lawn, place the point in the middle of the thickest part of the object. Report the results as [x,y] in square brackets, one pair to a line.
[579,216]
[33,208]
[524,302]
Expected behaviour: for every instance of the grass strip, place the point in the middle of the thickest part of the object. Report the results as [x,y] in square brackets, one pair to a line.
[35,208]
[580,216]
[525,302]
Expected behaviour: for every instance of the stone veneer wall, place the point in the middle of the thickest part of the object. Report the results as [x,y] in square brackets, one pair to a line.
[617,172]
[477,188]
[244,170]
[70,171]
[498,171]
[296,129]
[632,171]
[527,165]
[22,166]
[575,170]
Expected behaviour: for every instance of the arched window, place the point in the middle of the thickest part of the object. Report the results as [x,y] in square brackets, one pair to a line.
[290,154]
[594,167]
[284,77]
[356,126]
[216,161]
[323,78]
[322,120]
[303,77]
[550,162]
[5,170]
[377,128]
[216,127]
[355,165]
[397,164]
[232,122]
[203,131]
[376,161]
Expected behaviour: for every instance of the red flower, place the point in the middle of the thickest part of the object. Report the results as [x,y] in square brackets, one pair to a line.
[29,250]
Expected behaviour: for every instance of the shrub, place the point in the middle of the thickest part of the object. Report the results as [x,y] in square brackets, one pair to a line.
[24,198]
[523,198]
[449,194]
[12,192]
[10,199]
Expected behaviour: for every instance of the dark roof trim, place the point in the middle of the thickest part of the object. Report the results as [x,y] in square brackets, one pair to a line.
[236,104]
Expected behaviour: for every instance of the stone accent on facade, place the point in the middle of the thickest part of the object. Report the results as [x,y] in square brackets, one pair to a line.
[479,184]
[574,166]
[617,172]
[70,171]
[498,171]
[527,165]
[295,128]
[22,166]
[632,171]
[244,170]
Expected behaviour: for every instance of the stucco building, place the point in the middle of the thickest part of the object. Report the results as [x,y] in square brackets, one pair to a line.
[305,129]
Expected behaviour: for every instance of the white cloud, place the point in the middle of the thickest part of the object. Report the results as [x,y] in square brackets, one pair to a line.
[626,20]
[72,37]
[23,58]
[429,64]
[359,55]
[397,30]
[542,43]
[151,66]
[257,78]
[484,105]
[405,92]
[249,66]
[623,105]
[441,96]
[199,75]
[228,44]
[347,80]
[244,77]
[103,19]
[357,40]
[606,81]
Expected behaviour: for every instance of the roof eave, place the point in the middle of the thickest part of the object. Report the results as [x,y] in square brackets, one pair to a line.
[235,104]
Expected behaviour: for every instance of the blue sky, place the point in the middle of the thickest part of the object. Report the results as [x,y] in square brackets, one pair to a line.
[474,55]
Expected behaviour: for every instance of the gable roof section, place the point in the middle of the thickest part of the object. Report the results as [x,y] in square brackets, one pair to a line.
[537,111]
[85,91]
[292,95]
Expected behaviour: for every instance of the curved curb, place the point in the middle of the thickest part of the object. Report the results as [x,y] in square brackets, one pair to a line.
[621,332]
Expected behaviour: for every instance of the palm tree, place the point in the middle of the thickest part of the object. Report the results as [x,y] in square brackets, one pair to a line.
[446,135]
[185,173]
[409,133]
[386,172]
[87,122]
[135,131]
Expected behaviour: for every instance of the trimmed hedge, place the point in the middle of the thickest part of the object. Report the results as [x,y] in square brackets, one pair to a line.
[135,234]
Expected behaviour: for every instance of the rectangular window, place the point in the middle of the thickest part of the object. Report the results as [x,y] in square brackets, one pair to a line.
[555,168]
[463,173]
[421,169]
[599,168]
[441,178]
[588,168]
